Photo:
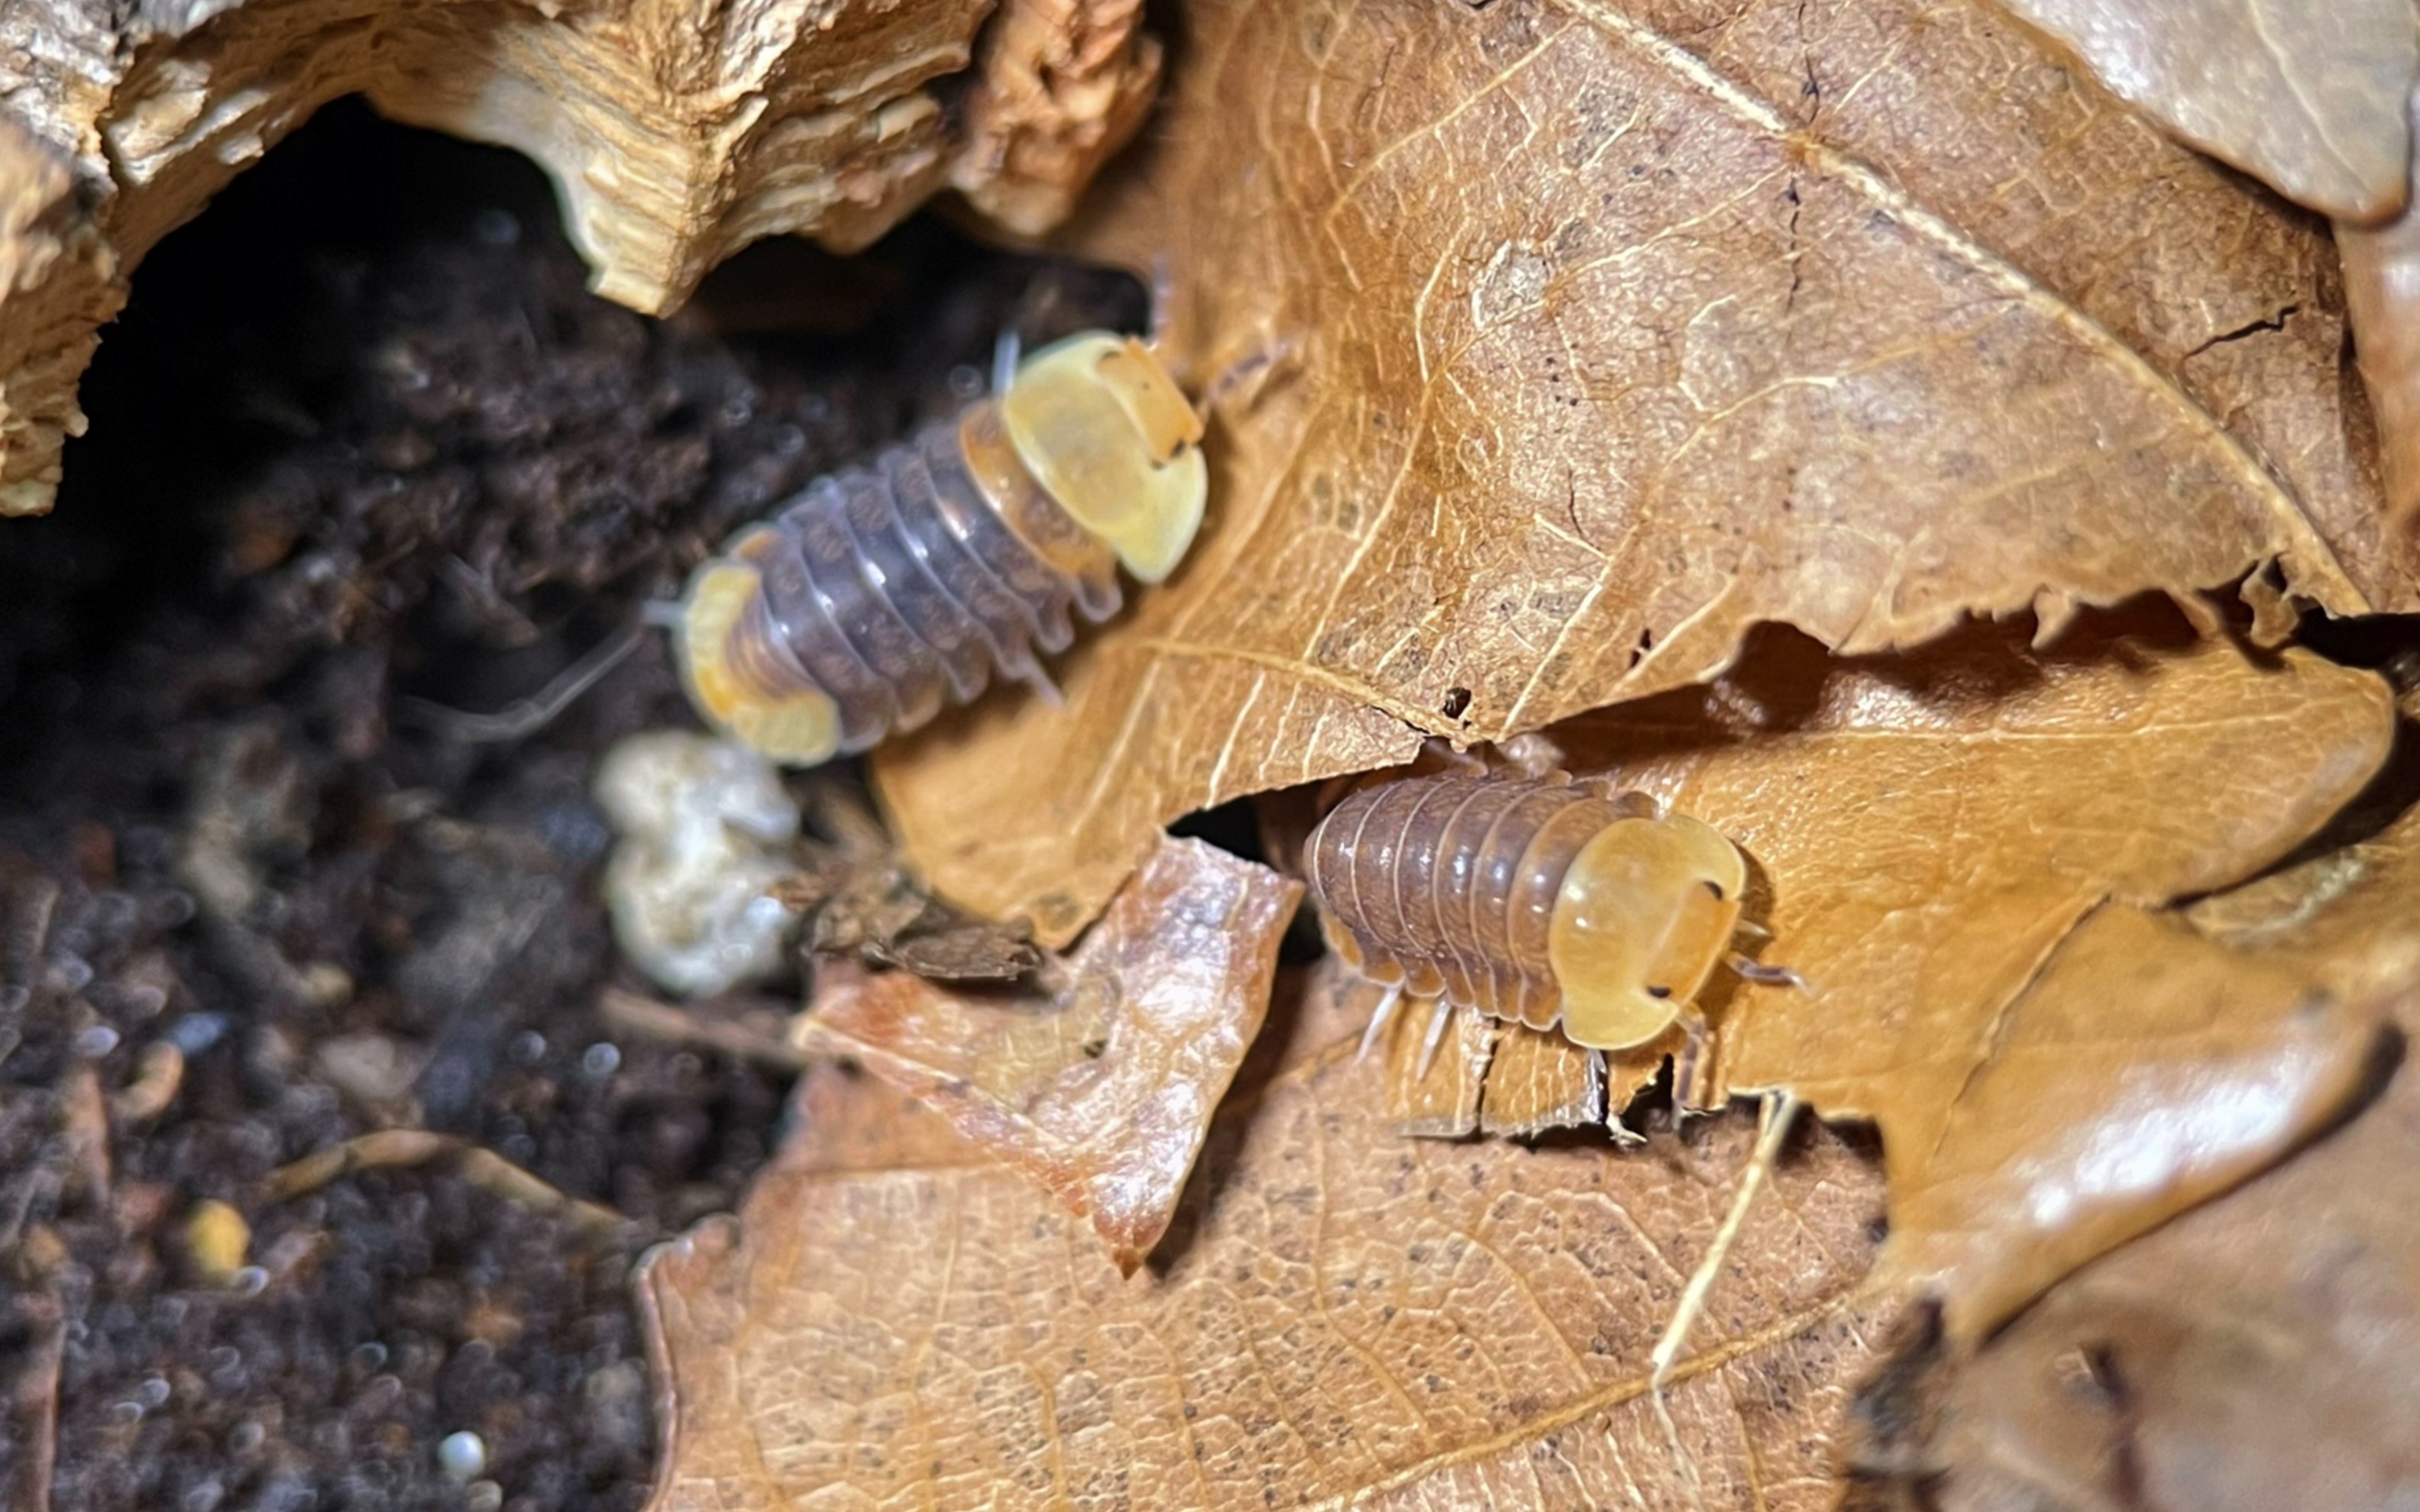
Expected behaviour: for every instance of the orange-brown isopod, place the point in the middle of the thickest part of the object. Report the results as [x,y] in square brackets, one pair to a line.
[1535,899]
[880,592]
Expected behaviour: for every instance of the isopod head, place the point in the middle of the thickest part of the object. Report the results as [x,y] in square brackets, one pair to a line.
[1099,423]
[1646,913]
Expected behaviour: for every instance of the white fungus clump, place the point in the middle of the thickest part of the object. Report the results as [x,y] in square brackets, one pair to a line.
[705,828]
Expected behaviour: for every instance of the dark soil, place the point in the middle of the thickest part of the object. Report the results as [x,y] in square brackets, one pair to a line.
[362,449]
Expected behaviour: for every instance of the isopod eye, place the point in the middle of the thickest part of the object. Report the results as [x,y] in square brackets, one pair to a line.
[1715,887]
[1659,992]
[1098,420]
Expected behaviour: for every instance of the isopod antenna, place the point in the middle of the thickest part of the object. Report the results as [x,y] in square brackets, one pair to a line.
[526,717]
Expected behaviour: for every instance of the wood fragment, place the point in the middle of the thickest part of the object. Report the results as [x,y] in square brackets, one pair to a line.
[35,1400]
[675,133]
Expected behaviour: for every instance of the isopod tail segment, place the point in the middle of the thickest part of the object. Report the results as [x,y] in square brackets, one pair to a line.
[1535,899]
[877,593]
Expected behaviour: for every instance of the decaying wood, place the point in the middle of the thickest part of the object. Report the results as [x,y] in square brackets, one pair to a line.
[676,132]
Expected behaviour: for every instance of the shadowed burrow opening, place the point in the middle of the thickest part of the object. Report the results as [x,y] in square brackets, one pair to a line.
[1267,829]
[363,444]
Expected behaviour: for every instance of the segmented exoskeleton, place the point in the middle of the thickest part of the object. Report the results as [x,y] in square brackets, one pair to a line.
[881,593]
[1530,898]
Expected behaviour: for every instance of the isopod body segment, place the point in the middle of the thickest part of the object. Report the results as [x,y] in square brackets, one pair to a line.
[878,593]
[1534,900]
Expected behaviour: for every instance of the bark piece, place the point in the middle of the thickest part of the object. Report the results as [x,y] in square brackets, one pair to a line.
[677,133]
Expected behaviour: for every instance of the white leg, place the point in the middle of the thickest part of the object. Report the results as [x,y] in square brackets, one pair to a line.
[523,718]
[1439,749]
[1688,1063]
[1163,300]
[1007,351]
[1437,1035]
[1043,689]
[1378,1020]
[1757,971]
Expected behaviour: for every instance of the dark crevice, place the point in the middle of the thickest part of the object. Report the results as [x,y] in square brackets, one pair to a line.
[2275,322]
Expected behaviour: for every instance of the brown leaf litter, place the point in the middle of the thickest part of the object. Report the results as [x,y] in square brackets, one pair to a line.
[1595,335]
[1339,1317]
[2306,97]
[1103,1090]
[2258,1351]
[1962,850]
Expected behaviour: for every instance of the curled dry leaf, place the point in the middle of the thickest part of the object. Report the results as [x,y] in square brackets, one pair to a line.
[2381,272]
[1925,832]
[1593,334]
[1105,1091]
[2145,1071]
[677,130]
[2308,97]
[1341,1318]
[2263,1351]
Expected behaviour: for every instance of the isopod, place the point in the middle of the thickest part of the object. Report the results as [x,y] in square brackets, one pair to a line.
[880,592]
[1536,899]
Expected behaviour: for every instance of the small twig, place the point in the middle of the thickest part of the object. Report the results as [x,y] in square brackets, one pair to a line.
[526,717]
[1781,1111]
[661,1021]
[482,1167]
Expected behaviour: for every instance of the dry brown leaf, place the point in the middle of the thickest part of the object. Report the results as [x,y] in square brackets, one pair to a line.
[1105,1091]
[2382,272]
[2146,1071]
[1932,827]
[1602,332]
[2307,97]
[1925,832]
[2264,1350]
[2261,1353]
[2350,918]
[1342,1317]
